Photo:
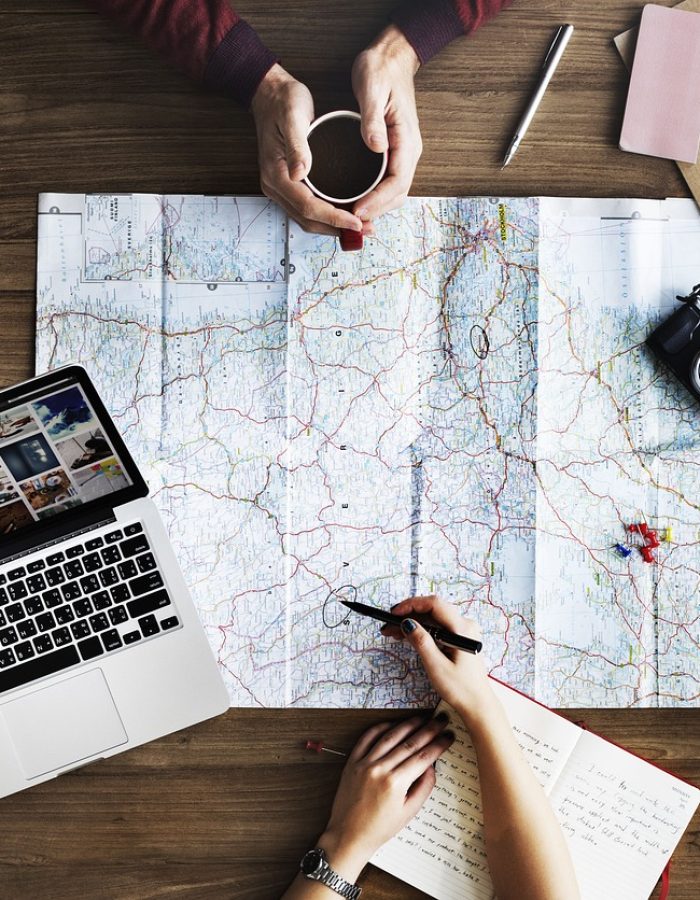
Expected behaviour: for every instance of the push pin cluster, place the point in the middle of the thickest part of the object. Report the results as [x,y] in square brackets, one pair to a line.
[649,536]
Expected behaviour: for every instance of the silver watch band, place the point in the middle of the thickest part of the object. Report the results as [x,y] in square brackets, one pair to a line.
[332,880]
[315,866]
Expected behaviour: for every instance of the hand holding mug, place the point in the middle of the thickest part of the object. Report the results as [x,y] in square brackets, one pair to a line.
[283,110]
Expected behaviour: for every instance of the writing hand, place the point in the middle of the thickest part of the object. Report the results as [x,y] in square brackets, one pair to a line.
[460,678]
[382,80]
[283,110]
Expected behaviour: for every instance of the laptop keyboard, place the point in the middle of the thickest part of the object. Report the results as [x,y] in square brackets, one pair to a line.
[78,604]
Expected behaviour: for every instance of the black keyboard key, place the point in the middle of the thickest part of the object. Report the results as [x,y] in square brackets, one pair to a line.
[150,603]
[108,576]
[117,615]
[36,583]
[64,615]
[33,606]
[51,598]
[134,528]
[89,584]
[134,545]
[3,579]
[101,600]
[99,622]
[8,636]
[120,593]
[26,629]
[80,629]
[74,569]
[130,638]
[54,577]
[45,622]
[61,637]
[7,658]
[90,648]
[24,651]
[127,569]
[146,562]
[55,558]
[72,552]
[3,620]
[148,626]
[36,566]
[94,543]
[92,562]
[111,640]
[82,607]
[15,612]
[3,597]
[71,591]
[113,536]
[172,622]
[39,667]
[43,643]
[110,555]
[17,591]
[14,574]
[145,583]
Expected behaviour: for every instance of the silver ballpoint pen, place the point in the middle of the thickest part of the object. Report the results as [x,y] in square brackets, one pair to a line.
[551,61]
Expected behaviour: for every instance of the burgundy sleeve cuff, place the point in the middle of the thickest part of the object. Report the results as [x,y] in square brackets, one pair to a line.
[239,64]
[429,25]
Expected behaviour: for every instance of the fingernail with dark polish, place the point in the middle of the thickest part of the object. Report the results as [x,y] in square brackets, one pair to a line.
[442,718]
[408,625]
[448,735]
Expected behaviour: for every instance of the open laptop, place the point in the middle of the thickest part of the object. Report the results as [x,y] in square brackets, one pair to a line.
[100,645]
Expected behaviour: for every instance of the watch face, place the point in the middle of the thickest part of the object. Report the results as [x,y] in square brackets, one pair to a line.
[311,862]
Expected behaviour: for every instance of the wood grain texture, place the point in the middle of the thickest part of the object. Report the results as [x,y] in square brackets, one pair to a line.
[225,810]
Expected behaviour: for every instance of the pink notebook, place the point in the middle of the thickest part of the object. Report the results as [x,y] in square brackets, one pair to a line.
[662,116]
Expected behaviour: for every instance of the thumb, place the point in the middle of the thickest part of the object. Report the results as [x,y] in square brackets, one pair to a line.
[372,107]
[298,154]
[427,649]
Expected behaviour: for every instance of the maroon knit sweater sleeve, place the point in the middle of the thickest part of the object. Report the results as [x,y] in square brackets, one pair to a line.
[207,39]
[431,24]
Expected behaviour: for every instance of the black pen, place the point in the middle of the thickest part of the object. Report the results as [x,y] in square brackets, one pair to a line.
[439,634]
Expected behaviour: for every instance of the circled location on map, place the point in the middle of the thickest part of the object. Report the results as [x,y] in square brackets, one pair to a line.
[334,614]
[479,341]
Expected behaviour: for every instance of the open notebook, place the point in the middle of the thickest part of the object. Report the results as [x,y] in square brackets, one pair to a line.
[622,816]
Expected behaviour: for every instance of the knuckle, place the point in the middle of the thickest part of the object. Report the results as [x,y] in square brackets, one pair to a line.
[410,744]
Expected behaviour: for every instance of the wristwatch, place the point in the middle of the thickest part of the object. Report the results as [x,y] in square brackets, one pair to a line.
[315,866]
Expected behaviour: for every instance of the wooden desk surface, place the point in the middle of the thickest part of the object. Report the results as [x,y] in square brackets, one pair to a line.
[226,809]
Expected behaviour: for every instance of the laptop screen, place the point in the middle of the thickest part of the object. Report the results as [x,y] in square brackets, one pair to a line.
[59,451]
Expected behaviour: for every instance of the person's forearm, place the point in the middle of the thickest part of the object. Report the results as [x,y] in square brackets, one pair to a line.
[527,853]
[207,39]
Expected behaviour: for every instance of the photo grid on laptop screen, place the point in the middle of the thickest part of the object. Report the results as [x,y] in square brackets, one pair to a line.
[54,456]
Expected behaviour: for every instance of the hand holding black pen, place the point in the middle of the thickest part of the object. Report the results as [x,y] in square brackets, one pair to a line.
[459,641]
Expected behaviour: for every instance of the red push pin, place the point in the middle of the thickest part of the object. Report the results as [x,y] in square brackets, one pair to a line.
[642,528]
[647,555]
[651,539]
[320,747]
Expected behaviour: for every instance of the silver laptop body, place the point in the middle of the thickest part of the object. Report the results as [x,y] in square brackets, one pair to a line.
[101,648]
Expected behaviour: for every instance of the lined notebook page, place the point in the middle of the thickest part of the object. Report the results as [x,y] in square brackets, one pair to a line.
[442,850]
[622,817]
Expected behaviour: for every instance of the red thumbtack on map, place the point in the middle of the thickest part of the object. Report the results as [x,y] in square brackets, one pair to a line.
[651,539]
[320,747]
[647,555]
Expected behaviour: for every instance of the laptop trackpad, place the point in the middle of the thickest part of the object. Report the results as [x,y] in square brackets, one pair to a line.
[64,723]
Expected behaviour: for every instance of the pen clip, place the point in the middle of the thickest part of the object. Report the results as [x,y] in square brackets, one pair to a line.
[553,45]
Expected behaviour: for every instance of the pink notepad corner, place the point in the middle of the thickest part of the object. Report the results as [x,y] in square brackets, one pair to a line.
[662,116]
